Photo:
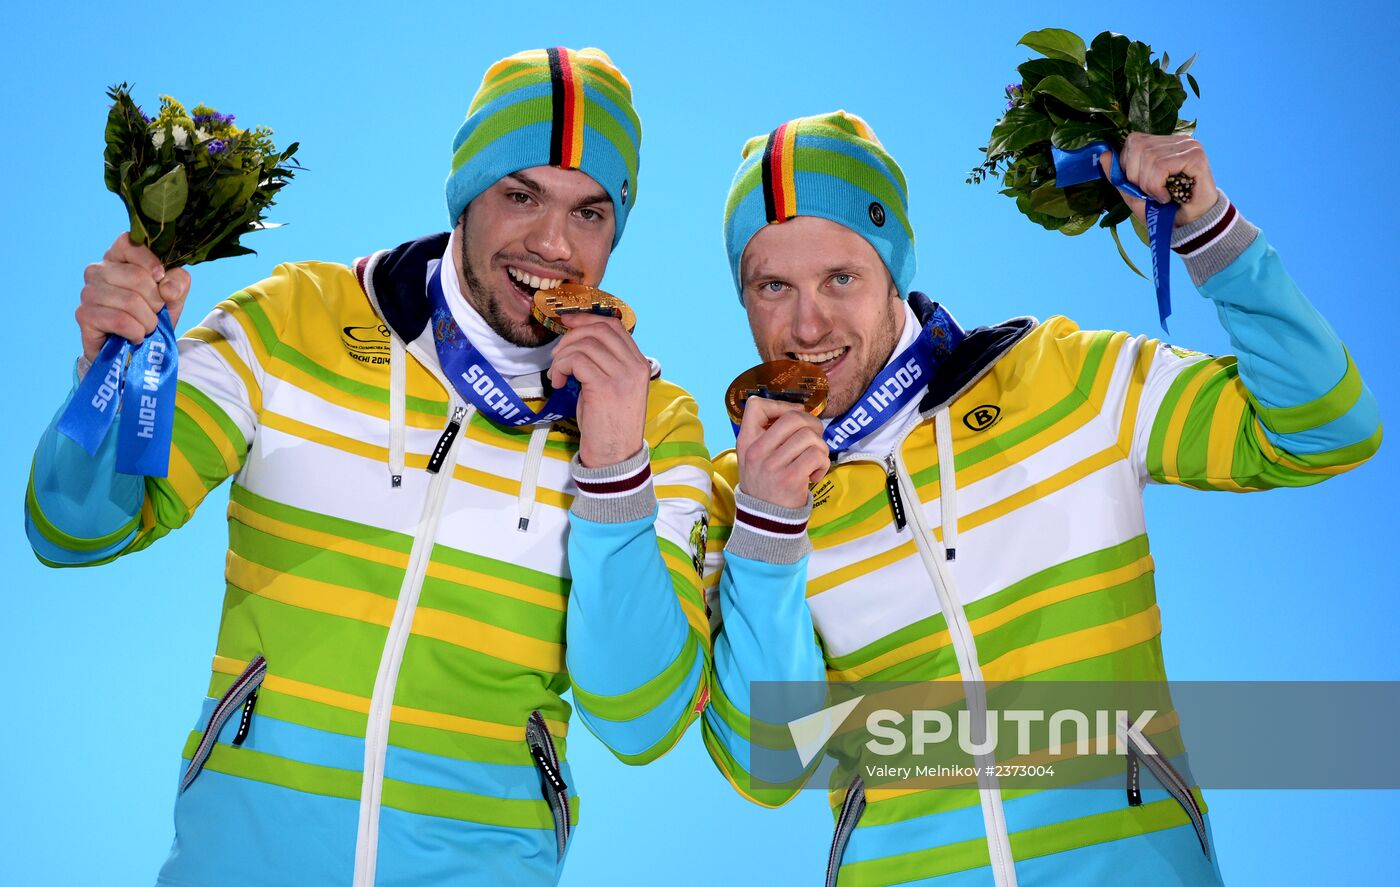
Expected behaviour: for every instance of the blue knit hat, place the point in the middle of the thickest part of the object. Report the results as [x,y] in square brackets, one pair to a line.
[831,166]
[549,107]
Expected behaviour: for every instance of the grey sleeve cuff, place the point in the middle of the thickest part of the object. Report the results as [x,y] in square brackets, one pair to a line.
[769,533]
[1213,241]
[615,494]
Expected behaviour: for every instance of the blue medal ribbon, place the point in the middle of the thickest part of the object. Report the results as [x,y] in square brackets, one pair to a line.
[1082,165]
[145,389]
[902,380]
[477,381]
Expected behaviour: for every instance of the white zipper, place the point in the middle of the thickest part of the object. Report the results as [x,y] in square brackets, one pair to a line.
[960,633]
[386,681]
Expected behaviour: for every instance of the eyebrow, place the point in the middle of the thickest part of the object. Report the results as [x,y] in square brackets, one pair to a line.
[749,274]
[596,197]
[850,268]
[529,183]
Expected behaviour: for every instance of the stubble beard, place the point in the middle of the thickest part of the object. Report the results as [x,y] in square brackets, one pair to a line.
[490,306]
[839,402]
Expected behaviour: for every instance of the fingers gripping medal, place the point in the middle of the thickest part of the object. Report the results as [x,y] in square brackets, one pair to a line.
[794,381]
[577,298]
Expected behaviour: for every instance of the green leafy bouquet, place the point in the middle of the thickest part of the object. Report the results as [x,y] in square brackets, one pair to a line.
[193,183]
[1073,96]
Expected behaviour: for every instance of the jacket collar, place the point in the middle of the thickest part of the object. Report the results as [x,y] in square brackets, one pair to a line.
[393,280]
[975,355]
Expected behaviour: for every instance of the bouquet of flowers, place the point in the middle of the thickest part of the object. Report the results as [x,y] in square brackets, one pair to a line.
[1070,98]
[193,183]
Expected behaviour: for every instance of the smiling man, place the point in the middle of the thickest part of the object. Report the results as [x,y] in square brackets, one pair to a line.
[428,485]
[978,516]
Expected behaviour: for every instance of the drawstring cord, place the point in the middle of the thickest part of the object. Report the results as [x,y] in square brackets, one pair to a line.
[530,474]
[947,483]
[398,397]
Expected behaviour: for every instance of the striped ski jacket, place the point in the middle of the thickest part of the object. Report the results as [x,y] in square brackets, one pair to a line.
[385,704]
[1003,538]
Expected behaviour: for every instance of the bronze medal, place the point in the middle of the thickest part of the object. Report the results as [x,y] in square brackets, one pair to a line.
[794,381]
[578,298]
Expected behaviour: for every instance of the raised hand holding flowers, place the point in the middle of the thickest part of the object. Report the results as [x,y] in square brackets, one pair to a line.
[193,183]
[1171,168]
[1073,111]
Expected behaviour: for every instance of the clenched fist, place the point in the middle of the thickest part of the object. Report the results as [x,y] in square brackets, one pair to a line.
[1147,162]
[123,293]
[781,451]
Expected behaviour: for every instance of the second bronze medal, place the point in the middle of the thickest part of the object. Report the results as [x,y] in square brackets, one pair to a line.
[793,381]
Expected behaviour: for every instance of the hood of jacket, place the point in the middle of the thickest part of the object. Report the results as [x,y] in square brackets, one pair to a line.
[982,347]
[394,280]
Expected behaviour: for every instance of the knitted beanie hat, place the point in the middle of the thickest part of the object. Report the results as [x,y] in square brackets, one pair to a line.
[831,166]
[549,107]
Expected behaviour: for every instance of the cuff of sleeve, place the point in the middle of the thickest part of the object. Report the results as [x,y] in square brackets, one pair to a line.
[1209,244]
[615,494]
[768,533]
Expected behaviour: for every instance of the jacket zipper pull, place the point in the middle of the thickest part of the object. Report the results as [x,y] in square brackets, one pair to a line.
[896,500]
[246,720]
[444,443]
[547,767]
[1134,780]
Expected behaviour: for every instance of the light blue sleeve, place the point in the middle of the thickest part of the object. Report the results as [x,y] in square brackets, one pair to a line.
[1305,387]
[765,634]
[636,663]
[78,510]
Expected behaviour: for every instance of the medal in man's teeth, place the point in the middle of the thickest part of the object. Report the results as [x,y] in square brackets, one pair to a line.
[577,298]
[794,381]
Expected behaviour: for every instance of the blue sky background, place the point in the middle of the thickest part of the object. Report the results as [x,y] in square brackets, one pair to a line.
[104,671]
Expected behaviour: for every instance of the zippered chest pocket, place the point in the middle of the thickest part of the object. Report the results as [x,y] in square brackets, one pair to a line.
[552,784]
[239,699]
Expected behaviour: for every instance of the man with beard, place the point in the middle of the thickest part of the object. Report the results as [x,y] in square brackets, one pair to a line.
[977,510]
[412,521]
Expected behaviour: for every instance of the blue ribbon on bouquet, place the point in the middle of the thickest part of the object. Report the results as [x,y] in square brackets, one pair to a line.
[143,386]
[479,382]
[1082,165]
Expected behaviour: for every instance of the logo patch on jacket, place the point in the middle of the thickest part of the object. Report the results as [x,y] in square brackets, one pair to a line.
[821,493]
[699,534]
[982,417]
[1184,353]
[367,344]
[567,427]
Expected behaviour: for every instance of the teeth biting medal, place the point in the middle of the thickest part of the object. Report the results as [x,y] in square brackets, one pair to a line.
[901,382]
[577,298]
[794,381]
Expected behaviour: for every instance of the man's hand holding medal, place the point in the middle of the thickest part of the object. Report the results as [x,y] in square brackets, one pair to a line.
[597,349]
[781,449]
